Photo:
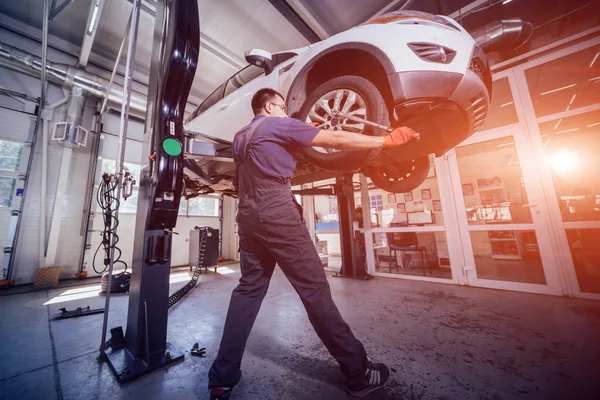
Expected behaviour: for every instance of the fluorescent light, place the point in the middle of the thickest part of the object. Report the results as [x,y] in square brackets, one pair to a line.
[589,126]
[506,144]
[557,124]
[595,58]
[559,89]
[568,130]
[506,2]
[571,102]
[94,16]
[506,104]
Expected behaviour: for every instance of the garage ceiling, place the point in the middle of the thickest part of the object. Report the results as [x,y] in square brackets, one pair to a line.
[230,27]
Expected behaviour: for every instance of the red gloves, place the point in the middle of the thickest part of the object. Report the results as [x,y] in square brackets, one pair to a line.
[399,136]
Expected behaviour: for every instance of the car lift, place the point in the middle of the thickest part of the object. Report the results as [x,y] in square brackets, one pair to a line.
[144,348]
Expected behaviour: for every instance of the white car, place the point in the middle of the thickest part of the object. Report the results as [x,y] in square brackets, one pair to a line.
[405,68]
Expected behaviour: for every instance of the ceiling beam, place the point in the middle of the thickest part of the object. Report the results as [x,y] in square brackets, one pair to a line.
[91,27]
[290,14]
[307,16]
[458,13]
[209,44]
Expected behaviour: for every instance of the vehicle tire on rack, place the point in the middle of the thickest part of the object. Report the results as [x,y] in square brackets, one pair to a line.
[400,177]
[354,95]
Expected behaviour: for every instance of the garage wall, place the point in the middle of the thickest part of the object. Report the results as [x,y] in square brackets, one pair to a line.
[71,238]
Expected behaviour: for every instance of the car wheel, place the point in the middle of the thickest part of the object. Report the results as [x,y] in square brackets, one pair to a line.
[400,177]
[352,95]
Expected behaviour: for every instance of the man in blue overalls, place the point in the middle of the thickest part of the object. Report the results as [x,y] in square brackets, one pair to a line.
[272,231]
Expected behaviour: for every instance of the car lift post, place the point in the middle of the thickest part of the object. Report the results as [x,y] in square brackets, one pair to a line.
[144,347]
[344,191]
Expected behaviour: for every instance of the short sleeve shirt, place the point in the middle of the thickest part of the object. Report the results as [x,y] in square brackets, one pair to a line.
[274,145]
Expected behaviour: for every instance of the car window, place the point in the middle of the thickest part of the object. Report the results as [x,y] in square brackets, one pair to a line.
[243,77]
[282,57]
[207,103]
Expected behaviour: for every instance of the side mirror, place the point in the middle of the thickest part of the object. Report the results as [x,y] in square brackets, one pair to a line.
[260,58]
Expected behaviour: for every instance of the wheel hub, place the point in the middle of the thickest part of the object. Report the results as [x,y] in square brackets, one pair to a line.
[345,100]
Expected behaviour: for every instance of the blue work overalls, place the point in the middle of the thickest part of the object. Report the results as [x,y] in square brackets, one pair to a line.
[273,231]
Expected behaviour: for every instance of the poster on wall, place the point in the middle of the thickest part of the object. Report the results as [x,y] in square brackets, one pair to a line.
[437,205]
[495,182]
[426,194]
[391,198]
[333,205]
[467,189]
[418,206]
[401,207]
[357,201]
[408,196]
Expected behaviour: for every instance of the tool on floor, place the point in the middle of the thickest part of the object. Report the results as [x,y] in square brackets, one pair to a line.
[78,312]
[198,352]
[354,118]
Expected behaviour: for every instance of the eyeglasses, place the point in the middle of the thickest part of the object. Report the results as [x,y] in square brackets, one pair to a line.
[282,106]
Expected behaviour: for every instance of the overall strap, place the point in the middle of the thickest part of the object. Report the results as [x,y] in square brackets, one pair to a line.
[247,146]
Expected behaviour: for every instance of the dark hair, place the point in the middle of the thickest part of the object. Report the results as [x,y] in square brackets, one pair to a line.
[262,97]
[358,210]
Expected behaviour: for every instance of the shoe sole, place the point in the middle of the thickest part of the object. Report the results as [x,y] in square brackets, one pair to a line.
[366,392]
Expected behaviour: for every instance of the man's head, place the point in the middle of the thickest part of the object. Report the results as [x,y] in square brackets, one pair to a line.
[270,103]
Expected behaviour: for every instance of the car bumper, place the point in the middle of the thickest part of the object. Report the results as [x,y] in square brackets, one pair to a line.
[445,108]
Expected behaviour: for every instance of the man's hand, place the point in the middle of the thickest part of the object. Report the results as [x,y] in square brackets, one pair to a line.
[399,136]
[314,123]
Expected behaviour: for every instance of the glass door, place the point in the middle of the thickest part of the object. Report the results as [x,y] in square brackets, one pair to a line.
[501,212]
[561,108]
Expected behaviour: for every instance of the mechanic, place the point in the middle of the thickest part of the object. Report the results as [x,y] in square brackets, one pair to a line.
[272,231]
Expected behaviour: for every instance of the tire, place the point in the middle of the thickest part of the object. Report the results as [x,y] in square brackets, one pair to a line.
[400,177]
[375,110]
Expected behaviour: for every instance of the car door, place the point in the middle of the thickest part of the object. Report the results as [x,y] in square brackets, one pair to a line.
[233,110]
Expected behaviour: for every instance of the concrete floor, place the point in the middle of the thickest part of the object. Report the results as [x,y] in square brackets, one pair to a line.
[442,341]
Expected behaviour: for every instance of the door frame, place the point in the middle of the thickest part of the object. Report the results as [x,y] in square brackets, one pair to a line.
[555,283]
[530,121]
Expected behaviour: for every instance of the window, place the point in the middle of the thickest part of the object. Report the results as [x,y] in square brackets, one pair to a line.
[208,102]
[555,88]
[183,204]
[282,57]
[10,155]
[203,207]
[7,186]
[246,75]
[376,202]
[502,110]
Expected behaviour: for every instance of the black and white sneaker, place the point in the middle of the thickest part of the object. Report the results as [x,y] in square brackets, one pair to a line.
[376,376]
[221,393]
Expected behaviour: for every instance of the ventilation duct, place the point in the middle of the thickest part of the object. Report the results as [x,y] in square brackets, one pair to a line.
[70,76]
[505,35]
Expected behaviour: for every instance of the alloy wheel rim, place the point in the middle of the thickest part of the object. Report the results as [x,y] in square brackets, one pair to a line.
[343,100]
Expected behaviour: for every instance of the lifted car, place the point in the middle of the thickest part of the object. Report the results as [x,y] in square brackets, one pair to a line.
[404,68]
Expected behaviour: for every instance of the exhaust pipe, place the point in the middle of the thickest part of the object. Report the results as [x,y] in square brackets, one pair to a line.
[70,76]
[505,35]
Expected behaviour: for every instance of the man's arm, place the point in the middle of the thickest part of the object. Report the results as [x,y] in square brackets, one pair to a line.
[344,140]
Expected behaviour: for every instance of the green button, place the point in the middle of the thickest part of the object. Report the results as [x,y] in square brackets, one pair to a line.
[172,147]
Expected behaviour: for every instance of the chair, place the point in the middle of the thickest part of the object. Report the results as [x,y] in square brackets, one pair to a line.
[406,242]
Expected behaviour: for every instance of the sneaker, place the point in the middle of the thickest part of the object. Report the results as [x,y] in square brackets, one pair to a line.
[376,376]
[221,393]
